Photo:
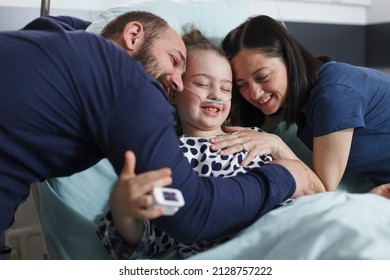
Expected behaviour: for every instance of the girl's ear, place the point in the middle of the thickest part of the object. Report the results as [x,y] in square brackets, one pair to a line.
[133,36]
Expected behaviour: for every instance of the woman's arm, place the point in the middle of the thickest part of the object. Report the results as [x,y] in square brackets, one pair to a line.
[330,157]
[259,143]
[383,190]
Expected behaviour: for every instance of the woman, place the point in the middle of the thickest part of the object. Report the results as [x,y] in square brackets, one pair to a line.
[342,111]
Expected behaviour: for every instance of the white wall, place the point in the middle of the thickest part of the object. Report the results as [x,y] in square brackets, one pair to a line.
[315,11]
[357,12]
[378,11]
[14,14]
[68,4]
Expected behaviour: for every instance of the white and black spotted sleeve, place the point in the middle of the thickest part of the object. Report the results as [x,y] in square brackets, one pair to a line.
[153,244]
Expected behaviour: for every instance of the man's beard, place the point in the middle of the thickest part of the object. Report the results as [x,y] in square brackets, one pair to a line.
[151,65]
[149,61]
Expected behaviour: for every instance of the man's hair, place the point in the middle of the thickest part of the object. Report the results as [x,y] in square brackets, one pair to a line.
[153,25]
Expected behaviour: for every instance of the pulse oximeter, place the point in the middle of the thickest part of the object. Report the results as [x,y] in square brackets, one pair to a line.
[169,199]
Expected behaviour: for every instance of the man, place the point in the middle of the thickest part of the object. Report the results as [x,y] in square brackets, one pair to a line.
[70,98]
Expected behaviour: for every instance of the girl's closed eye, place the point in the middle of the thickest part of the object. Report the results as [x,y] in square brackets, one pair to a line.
[201,84]
[201,81]
[226,90]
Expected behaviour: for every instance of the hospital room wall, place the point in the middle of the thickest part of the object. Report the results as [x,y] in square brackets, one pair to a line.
[378,35]
[355,31]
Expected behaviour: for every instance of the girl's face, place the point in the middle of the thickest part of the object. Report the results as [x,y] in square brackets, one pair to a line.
[208,76]
[261,80]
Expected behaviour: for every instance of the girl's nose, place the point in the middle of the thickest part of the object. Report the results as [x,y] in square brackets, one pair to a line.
[215,93]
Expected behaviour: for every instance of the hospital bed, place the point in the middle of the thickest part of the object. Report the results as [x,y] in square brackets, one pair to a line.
[347,224]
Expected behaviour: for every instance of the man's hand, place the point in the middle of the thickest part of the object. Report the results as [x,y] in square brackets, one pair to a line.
[304,184]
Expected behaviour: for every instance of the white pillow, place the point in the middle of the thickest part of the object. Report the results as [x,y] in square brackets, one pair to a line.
[214,18]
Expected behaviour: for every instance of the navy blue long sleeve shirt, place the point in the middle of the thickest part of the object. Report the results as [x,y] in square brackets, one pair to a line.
[69,98]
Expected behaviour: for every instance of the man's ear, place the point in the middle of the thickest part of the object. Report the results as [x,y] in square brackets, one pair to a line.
[133,36]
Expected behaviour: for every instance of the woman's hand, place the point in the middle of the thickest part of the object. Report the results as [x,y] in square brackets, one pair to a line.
[259,143]
[131,199]
[256,143]
[383,190]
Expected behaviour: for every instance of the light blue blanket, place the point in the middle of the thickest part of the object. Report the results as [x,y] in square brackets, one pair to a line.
[322,226]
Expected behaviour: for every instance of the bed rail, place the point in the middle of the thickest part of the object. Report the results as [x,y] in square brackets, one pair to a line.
[45,7]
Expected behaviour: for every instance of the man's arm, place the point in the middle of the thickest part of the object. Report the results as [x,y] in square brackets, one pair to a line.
[184,233]
[75,23]
[66,23]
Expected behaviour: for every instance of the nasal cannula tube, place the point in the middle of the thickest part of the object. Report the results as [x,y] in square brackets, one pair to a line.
[212,101]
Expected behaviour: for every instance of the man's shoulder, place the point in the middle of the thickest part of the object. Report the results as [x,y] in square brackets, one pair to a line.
[59,24]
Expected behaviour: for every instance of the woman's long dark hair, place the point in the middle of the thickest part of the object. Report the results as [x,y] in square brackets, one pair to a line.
[271,39]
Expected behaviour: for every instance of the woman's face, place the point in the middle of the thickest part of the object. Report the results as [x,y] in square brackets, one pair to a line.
[208,76]
[261,80]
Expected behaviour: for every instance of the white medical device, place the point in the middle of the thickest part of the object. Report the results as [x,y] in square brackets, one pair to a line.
[169,199]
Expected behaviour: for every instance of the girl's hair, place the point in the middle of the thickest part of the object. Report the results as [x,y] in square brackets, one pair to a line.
[273,40]
[195,41]
[153,25]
